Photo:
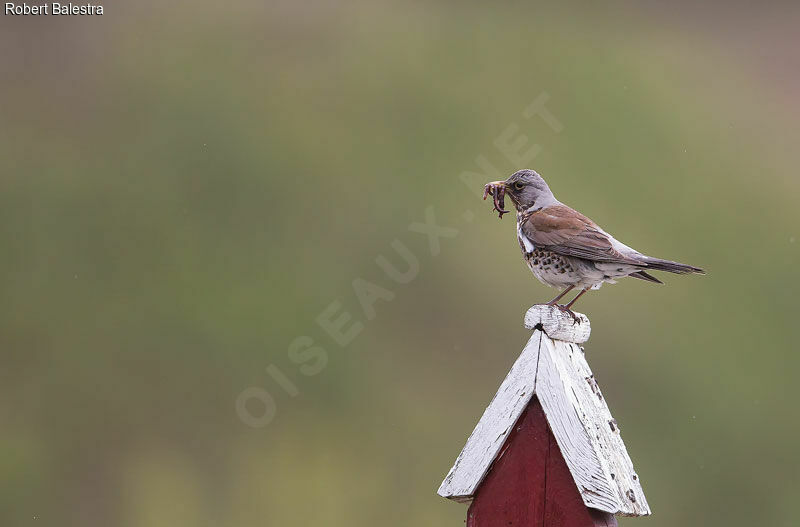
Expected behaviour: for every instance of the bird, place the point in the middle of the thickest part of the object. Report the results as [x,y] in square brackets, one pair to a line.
[565,249]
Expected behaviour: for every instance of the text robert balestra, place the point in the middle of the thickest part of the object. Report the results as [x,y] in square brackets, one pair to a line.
[53,8]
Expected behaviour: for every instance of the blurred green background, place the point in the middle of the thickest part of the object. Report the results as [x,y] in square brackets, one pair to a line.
[187,186]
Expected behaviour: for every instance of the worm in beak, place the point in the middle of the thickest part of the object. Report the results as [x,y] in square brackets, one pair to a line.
[498,191]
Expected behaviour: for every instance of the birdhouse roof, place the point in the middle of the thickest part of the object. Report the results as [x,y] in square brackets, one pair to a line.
[553,368]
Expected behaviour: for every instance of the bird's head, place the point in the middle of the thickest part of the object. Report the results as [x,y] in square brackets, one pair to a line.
[526,189]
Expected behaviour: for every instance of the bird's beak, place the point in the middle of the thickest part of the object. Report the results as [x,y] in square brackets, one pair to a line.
[493,187]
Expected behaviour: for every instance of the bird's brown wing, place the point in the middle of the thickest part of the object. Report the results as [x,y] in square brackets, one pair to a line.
[566,231]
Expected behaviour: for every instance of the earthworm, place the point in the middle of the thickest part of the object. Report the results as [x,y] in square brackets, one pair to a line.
[498,193]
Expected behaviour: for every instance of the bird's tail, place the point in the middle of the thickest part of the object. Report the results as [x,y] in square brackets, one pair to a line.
[671,267]
[641,275]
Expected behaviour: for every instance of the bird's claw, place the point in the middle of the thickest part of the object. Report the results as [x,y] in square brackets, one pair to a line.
[564,309]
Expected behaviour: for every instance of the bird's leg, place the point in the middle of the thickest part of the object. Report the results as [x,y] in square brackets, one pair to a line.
[576,298]
[560,296]
[566,308]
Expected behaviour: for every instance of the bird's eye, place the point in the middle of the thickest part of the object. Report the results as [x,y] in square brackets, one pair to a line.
[518,185]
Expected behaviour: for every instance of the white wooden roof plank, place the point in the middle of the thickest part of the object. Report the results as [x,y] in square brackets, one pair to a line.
[587,435]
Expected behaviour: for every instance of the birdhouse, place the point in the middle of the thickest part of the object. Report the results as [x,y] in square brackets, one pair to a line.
[547,452]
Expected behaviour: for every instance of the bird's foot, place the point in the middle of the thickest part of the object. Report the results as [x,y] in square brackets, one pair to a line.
[564,309]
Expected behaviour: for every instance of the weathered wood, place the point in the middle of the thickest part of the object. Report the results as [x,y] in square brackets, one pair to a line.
[530,485]
[564,505]
[557,324]
[494,426]
[514,489]
[587,435]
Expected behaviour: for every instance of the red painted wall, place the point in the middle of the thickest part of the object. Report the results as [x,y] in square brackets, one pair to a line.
[529,484]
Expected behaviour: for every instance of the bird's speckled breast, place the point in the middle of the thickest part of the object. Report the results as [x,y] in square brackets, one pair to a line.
[551,268]
[557,270]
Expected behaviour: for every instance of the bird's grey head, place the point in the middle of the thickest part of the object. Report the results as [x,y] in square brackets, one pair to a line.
[527,189]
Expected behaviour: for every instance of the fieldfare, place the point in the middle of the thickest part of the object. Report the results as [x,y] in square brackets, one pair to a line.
[564,248]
